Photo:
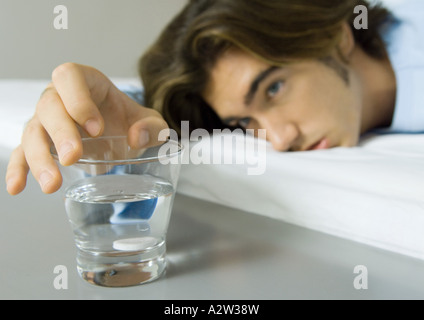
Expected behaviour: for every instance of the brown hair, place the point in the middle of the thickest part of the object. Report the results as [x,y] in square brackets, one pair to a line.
[175,69]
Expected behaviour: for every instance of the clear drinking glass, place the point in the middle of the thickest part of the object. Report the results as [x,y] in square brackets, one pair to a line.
[118,201]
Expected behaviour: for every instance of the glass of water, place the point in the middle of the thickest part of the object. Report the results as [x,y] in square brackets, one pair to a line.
[118,201]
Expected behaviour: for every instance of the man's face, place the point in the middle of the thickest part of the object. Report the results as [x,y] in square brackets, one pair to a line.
[304,106]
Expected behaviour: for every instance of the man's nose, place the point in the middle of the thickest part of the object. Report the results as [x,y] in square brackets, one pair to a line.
[282,135]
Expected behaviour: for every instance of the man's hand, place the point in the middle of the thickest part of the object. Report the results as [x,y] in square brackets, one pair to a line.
[80,101]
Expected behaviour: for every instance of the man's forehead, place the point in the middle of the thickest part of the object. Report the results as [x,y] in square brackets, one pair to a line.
[231,76]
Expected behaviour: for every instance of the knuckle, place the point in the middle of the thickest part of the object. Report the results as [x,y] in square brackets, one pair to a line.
[156,114]
[58,132]
[62,70]
[162,122]
[31,127]
[48,96]
[32,130]
[50,87]
[43,104]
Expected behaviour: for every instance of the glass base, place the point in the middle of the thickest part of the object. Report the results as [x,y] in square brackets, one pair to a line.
[122,269]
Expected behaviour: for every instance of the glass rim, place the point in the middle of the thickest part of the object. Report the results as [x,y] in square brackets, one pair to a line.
[134,160]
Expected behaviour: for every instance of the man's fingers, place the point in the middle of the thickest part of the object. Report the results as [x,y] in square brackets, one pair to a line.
[17,171]
[70,81]
[60,127]
[36,146]
[148,132]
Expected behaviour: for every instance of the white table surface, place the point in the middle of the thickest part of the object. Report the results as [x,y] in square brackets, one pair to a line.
[214,253]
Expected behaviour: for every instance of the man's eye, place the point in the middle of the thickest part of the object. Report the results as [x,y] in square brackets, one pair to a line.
[274,89]
[244,122]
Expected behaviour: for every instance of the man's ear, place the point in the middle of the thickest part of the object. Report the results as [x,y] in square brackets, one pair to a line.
[347,43]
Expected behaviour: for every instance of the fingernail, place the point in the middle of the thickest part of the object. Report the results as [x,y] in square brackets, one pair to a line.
[92,127]
[64,150]
[143,138]
[44,179]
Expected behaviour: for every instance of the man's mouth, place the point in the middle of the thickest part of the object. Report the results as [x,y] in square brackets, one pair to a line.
[320,145]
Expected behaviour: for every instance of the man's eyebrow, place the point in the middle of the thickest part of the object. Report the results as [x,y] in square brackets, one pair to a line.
[256,82]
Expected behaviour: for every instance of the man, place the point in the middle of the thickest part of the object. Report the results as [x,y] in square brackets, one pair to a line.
[299,69]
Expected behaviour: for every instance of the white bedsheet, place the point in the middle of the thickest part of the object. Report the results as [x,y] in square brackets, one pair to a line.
[373,194]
